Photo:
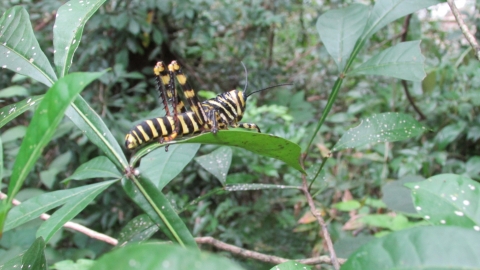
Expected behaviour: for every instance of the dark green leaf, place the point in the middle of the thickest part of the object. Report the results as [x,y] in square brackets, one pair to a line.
[420,248]
[161,167]
[217,163]
[161,256]
[291,265]
[99,167]
[448,199]
[397,197]
[448,134]
[138,229]
[385,127]
[8,113]
[68,29]
[19,47]
[34,207]
[403,61]
[87,120]
[44,123]
[340,29]
[158,208]
[34,257]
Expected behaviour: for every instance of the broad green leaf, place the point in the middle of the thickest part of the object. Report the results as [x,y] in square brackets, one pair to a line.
[217,163]
[138,229]
[34,207]
[68,211]
[158,208]
[347,205]
[448,134]
[448,199]
[13,133]
[385,127]
[437,247]
[34,257]
[291,265]
[161,167]
[8,113]
[394,223]
[68,29]
[161,256]
[80,264]
[397,197]
[403,61]
[87,120]
[19,47]
[13,91]
[258,143]
[340,29]
[99,167]
[387,11]
[44,123]
[245,187]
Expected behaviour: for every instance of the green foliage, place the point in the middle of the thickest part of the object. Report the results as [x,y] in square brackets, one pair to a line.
[258,203]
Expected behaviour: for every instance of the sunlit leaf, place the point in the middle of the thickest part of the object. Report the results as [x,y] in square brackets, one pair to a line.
[138,229]
[8,113]
[385,127]
[448,199]
[217,163]
[161,256]
[34,257]
[99,167]
[340,29]
[403,61]
[161,167]
[68,211]
[19,48]
[68,29]
[424,247]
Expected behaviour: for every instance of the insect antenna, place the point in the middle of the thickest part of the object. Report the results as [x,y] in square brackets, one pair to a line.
[270,87]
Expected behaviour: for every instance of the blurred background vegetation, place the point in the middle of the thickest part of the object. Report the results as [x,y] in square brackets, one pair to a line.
[278,43]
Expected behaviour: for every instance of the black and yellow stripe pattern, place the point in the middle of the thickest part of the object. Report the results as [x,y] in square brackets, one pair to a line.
[209,116]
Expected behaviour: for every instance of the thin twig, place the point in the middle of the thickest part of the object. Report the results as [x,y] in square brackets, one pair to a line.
[318,216]
[470,38]
[201,240]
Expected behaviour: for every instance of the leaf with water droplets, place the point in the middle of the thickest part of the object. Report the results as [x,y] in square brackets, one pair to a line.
[217,163]
[448,199]
[19,48]
[385,127]
[8,113]
[34,257]
[138,229]
[68,29]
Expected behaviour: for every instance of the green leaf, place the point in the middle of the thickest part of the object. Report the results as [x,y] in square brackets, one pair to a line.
[44,123]
[138,229]
[385,127]
[13,133]
[340,29]
[448,134]
[347,205]
[161,167]
[68,211]
[68,29]
[258,143]
[420,248]
[158,208]
[448,199]
[92,125]
[394,223]
[80,264]
[217,163]
[245,187]
[291,265]
[387,11]
[397,197]
[34,257]
[34,207]
[19,47]
[8,113]
[403,61]
[1,159]
[99,167]
[161,256]
[13,91]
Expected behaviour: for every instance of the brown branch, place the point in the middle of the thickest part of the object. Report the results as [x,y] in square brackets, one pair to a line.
[470,38]
[201,240]
[318,216]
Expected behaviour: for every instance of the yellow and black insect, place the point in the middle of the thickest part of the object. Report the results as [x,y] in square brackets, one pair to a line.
[211,115]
